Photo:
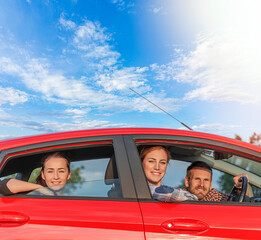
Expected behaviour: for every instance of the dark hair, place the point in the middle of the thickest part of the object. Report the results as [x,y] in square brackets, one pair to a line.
[39,179]
[146,150]
[199,164]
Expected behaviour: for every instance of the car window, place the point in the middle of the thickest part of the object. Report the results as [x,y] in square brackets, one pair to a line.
[225,165]
[93,172]
[14,175]
[176,172]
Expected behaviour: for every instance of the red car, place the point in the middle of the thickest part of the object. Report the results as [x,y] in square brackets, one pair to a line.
[108,196]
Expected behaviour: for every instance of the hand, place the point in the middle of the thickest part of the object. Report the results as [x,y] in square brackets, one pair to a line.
[236,180]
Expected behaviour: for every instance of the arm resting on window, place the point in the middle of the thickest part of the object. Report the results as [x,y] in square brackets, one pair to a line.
[12,186]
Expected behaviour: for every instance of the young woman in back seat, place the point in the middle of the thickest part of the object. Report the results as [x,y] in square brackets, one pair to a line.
[54,174]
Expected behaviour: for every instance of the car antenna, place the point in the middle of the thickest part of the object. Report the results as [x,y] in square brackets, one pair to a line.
[162,110]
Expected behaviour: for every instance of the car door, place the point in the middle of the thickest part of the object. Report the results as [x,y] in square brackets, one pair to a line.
[89,210]
[196,219]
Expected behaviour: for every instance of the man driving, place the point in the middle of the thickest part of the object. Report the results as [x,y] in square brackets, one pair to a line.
[199,182]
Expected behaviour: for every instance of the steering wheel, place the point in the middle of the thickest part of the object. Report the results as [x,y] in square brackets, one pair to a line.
[238,194]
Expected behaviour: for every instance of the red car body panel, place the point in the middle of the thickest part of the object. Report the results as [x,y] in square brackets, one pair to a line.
[243,222]
[70,219]
[87,218]
[17,142]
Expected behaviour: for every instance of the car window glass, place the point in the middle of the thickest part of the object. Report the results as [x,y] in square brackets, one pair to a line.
[176,172]
[93,172]
[225,165]
[244,163]
[13,175]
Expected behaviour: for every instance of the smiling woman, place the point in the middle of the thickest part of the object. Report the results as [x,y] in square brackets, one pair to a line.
[70,172]
[55,170]
[155,161]
[54,174]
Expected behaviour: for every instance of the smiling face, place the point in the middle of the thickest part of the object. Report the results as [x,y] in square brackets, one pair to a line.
[155,164]
[199,182]
[56,172]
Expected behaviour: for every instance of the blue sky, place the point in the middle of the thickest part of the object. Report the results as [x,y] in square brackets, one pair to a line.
[69,65]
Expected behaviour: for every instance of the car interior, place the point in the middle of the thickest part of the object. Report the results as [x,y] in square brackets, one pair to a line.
[22,166]
[95,164]
[220,160]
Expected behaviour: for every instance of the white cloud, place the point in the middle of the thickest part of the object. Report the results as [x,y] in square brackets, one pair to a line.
[5,136]
[80,125]
[7,66]
[12,96]
[122,5]
[224,64]
[77,113]
[165,72]
[14,121]
[91,42]
[122,79]
[211,126]
[108,90]
[54,86]
[4,117]
[105,56]
[90,32]
[21,122]
[222,67]
[67,24]
[156,10]
[113,93]
[57,88]
[159,99]
[217,128]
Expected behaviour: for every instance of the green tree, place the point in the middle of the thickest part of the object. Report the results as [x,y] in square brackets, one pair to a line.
[226,183]
[76,175]
[182,184]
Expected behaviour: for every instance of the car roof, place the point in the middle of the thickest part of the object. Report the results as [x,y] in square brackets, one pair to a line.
[28,140]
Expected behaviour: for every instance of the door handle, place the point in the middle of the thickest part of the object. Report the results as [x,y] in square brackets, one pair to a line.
[12,219]
[189,226]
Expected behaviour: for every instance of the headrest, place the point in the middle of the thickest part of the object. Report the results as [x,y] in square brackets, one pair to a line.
[111,172]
